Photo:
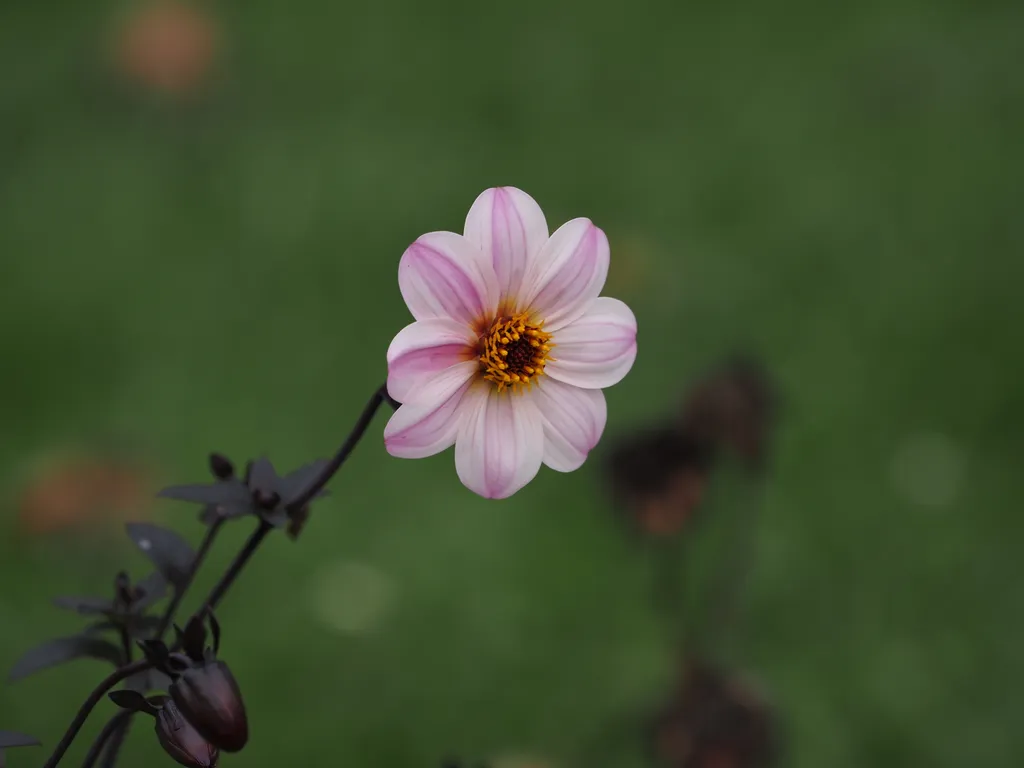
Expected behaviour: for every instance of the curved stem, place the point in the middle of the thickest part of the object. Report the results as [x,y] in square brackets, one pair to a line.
[124,723]
[223,584]
[115,677]
[225,581]
[119,734]
[179,593]
[114,724]
[329,470]
[380,396]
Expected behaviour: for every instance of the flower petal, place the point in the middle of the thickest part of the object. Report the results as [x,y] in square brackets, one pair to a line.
[424,348]
[500,443]
[428,423]
[567,274]
[442,274]
[510,228]
[597,349]
[573,419]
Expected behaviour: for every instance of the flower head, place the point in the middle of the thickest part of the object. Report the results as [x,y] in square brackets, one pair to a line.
[181,740]
[511,347]
[202,687]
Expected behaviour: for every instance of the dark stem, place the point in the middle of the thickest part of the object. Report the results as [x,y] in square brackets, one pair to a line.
[332,467]
[120,733]
[225,582]
[300,501]
[115,677]
[118,723]
[118,738]
[126,645]
[172,607]
[380,396]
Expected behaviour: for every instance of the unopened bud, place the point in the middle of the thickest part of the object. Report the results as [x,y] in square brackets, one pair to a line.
[181,740]
[209,698]
[221,466]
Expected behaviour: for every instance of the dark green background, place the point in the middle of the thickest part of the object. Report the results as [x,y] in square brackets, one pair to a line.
[836,187]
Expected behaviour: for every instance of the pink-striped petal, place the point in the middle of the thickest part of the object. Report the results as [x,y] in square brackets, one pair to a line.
[500,443]
[444,275]
[574,420]
[510,228]
[567,274]
[425,348]
[597,349]
[429,422]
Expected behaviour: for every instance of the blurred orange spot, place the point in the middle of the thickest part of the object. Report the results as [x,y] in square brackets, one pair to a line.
[668,512]
[81,492]
[168,46]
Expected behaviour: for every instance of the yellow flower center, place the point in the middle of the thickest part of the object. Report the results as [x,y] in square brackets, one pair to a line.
[513,352]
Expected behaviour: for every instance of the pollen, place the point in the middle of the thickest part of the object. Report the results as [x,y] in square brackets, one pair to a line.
[513,352]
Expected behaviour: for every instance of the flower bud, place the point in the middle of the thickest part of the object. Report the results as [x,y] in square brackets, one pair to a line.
[208,697]
[266,499]
[221,466]
[181,740]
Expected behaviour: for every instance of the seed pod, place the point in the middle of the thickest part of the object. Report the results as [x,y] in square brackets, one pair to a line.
[208,697]
[181,740]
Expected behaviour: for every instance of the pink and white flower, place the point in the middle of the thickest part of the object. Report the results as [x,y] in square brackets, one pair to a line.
[511,347]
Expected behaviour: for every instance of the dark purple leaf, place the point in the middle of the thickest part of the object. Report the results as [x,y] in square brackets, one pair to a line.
[275,517]
[64,649]
[215,632]
[229,511]
[221,466]
[86,606]
[99,626]
[155,651]
[149,680]
[210,514]
[212,493]
[170,553]
[9,739]
[142,627]
[150,590]
[263,476]
[132,700]
[194,637]
[294,483]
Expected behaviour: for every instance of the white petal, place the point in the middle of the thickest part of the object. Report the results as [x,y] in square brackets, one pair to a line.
[567,274]
[597,349]
[510,228]
[442,274]
[500,443]
[573,419]
[424,348]
[429,421]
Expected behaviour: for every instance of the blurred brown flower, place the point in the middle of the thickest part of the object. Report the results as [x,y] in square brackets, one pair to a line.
[72,491]
[714,720]
[659,476]
[167,46]
[734,406]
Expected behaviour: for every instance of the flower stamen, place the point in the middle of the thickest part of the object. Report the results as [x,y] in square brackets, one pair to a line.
[513,352]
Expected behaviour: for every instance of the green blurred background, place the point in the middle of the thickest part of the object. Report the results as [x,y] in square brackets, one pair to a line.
[834,187]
